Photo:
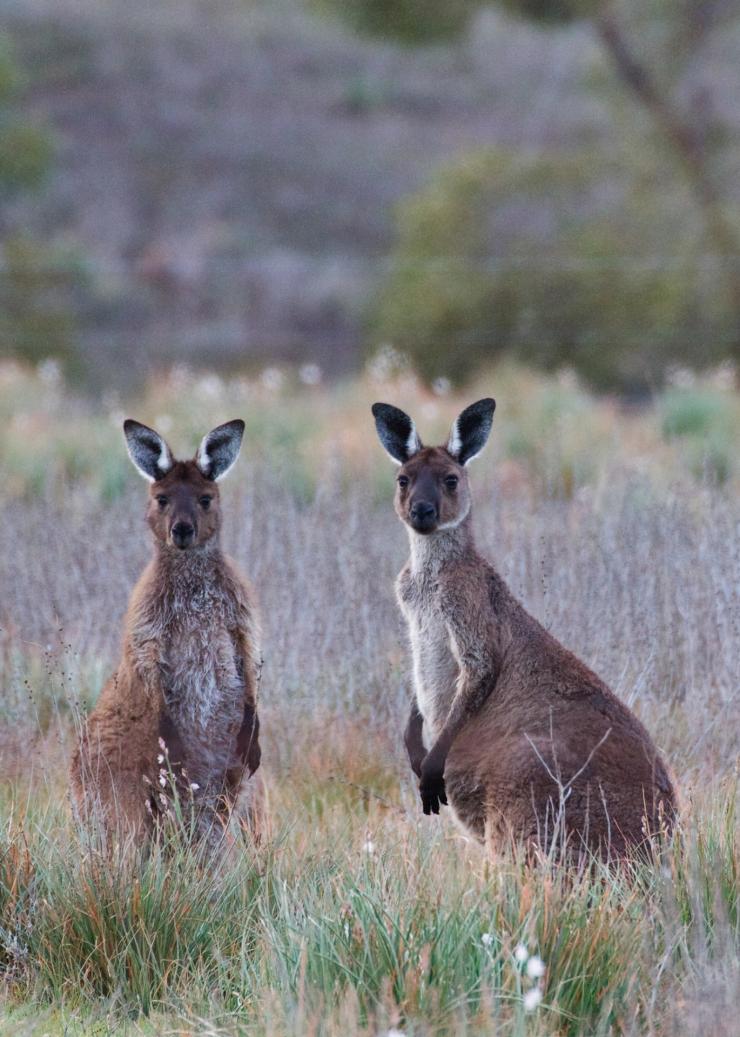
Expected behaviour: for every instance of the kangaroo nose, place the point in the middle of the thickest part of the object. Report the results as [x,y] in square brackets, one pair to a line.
[182,533]
[422,511]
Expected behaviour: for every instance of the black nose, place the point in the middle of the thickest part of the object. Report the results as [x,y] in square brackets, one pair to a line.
[183,533]
[423,512]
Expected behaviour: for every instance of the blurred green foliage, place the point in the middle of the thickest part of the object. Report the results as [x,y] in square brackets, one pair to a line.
[580,260]
[407,21]
[432,21]
[24,154]
[36,283]
[36,318]
[706,424]
[553,12]
[25,150]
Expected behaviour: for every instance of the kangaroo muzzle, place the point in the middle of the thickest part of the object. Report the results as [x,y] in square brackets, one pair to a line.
[424,516]
[183,534]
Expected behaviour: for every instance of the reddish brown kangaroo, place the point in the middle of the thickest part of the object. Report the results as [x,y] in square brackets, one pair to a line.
[525,741]
[188,675]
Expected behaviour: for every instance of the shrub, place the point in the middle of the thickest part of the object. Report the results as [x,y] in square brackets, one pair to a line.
[408,21]
[25,149]
[553,260]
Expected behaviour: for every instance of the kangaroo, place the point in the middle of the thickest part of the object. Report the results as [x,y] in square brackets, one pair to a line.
[183,700]
[525,741]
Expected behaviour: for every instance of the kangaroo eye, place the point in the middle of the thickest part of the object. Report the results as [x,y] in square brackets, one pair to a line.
[205,503]
[451,482]
[162,501]
[403,480]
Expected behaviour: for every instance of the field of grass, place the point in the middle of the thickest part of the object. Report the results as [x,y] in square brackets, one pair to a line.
[357,915]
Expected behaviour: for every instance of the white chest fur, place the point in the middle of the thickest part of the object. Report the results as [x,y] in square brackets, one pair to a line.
[435,668]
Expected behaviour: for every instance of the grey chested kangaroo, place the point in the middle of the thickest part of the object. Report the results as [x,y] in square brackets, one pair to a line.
[186,685]
[524,741]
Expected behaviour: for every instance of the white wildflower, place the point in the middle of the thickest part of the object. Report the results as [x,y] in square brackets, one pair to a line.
[531,999]
[486,939]
[723,377]
[209,387]
[50,371]
[164,423]
[567,378]
[162,780]
[521,953]
[179,377]
[680,377]
[369,847]
[160,758]
[535,967]
[310,374]
[194,786]
[386,363]
[272,378]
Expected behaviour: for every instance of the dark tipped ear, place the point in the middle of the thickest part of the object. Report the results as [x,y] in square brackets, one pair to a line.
[148,451]
[470,432]
[397,432]
[219,449]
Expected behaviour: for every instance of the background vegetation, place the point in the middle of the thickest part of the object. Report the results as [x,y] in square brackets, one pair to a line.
[551,181]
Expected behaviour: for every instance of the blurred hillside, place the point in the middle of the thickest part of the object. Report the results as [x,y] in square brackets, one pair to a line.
[227,171]
[225,175]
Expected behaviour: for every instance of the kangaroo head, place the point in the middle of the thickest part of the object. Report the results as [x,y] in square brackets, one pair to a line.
[432,488]
[184,508]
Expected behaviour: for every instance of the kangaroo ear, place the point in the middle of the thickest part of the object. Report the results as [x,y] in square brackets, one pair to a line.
[148,451]
[397,432]
[219,450]
[470,432]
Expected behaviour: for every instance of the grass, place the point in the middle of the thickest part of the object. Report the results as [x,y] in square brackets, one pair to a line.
[360,910]
[357,915]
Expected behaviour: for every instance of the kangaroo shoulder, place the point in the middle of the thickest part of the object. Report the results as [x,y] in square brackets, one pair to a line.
[143,614]
[242,605]
[466,588]
[237,586]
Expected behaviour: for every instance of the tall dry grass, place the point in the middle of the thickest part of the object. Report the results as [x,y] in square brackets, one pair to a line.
[358,915]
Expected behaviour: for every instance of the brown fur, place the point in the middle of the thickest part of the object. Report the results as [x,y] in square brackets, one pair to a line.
[187,680]
[525,741]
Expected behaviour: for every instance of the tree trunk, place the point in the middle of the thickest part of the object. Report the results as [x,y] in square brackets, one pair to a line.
[688,148]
